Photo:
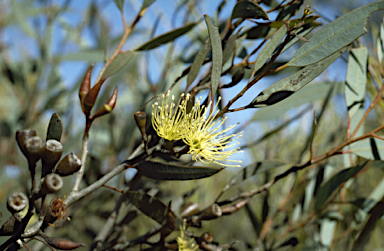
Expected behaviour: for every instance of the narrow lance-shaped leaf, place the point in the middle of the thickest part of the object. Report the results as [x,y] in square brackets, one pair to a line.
[19,14]
[269,48]
[146,4]
[166,38]
[251,170]
[119,62]
[370,148]
[289,85]
[198,62]
[166,171]
[230,47]
[333,183]
[55,128]
[247,9]
[335,35]
[217,54]
[380,43]
[149,205]
[119,4]
[356,79]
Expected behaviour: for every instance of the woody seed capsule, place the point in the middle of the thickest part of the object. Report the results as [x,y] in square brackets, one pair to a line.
[52,154]
[68,165]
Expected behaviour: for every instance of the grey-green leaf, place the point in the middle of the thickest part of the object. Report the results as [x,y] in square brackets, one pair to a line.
[247,9]
[165,38]
[55,128]
[310,93]
[119,4]
[198,62]
[120,61]
[289,85]
[253,169]
[146,4]
[84,55]
[380,43]
[217,54]
[356,79]
[335,35]
[371,148]
[269,48]
[230,47]
[21,17]
[333,183]
[167,171]
[149,205]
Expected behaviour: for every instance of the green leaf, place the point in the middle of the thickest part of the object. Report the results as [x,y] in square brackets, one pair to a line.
[371,148]
[293,22]
[300,32]
[165,38]
[55,128]
[289,85]
[120,61]
[380,43]
[217,54]
[146,4]
[327,230]
[269,48]
[247,9]
[198,62]
[356,79]
[333,183]
[84,55]
[149,205]
[259,31]
[230,47]
[166,171]
[335,35]
[119,4]
[21,17]
[253,169]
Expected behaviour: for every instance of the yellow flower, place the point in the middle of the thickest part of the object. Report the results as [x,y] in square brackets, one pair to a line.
[184,244]
[167,119]
[197,128]
[206,141]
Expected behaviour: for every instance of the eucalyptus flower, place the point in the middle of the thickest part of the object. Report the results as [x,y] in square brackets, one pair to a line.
[168,118]
[207,143]
[182,241]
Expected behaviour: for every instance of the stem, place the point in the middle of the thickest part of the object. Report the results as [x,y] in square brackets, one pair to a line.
[377,99]
[80,173]
[127,32]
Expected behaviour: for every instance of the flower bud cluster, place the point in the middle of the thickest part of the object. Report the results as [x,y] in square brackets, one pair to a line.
[88,97]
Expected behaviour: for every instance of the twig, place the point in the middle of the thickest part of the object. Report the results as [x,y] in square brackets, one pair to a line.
[377,99]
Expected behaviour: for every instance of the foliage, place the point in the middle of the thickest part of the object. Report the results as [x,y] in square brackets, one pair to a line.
[153,158]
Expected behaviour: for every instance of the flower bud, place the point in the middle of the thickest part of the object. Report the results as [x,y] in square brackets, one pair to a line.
[189,209]
[9,226]
[17,202]
[91,97]
[108,107]
[52,154]
[62,244]
[141,120]
[68,165]
[34,149]
[22,136]
[52,183]
[85,86]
